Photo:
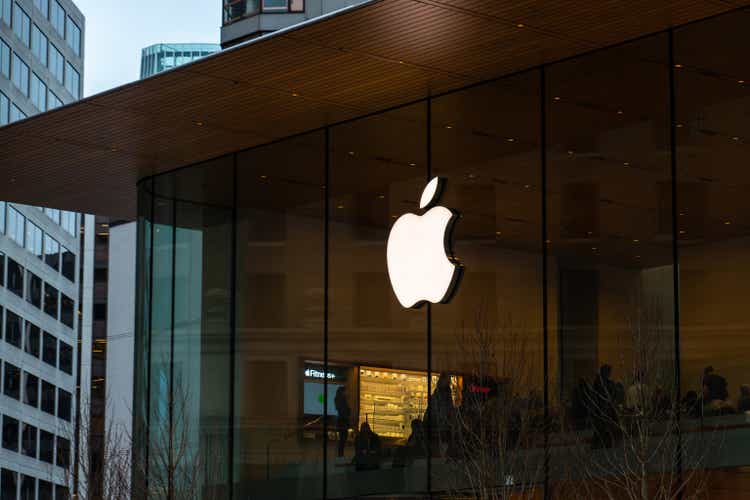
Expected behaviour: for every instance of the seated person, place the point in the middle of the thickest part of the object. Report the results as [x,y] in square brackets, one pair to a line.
[367,449]
[714,386]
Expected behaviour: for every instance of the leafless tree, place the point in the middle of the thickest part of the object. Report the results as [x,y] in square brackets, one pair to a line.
[492,439]
[634,447]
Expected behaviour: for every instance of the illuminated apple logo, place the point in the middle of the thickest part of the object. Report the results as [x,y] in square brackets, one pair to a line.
[420,264]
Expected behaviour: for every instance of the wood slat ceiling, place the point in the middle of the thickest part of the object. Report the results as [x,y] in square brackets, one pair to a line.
[88,156]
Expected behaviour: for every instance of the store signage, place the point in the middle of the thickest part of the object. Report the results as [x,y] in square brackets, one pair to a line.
[313,373]
[420,264]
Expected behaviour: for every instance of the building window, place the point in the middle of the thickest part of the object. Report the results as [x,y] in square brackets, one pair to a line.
[53,214]
[15,277]
[49,349]
[13,328]
[5,10]
[20,74]
[68,222]
[39,44]
[33,239]
[51,252]
[56,63]
[45,487]
[21,24]
[68,264]
[28,441]
[16,114]
[38,93]
[51,298]
[2,269]
[63,452]
[33,289]
[4,109]
[15,225]
[66,358]
[10,433]
[8,480]
[31,389]
[67,307]
[28,487]
[48,397]
[12,381]
[53,101]
[57,18]
[73,36]
[274,5]
[46,446]
[32,338]
[63,404]
[61,492]
[4,59]
[42,6]
[72,80]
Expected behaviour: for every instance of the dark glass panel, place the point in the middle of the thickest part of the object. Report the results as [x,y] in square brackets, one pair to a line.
[377,349]
[45,490]
[63,452]
[28,440]
[28,487]
[68,264]
[610,293]
[487,343]
[33,289]
[31,339]
[49,349]
[12,381]
[51,298]
[46,446]
[64,404]
[10,433]
[201,362]
[31,389]
[15,277]
[67,310]
[279,307]
[66,358]
[8,484]
[13,329]
[713,224]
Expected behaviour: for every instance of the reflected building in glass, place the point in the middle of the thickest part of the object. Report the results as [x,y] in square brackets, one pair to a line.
[163,56]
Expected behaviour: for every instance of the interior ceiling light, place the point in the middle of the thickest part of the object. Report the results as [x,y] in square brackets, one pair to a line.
[520,25]
[679,66]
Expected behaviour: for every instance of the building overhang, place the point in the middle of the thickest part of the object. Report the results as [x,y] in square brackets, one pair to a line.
[88,156]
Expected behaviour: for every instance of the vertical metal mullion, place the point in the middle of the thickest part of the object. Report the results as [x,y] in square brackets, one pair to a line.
[429,312]
[545,270]
[675,247]
[232,330]
[170,475]
[326,228]
[150,333]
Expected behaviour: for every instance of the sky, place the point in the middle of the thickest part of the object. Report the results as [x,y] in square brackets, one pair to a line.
[117,30]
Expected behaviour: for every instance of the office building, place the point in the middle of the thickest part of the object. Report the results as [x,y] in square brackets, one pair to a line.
[41,68]
[246,19]
[163,56]
[593,205]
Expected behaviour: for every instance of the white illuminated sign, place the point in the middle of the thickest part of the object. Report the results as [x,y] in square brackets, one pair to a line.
[420,264]
[313,373]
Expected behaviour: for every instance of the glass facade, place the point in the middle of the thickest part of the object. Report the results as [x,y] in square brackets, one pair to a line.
[600,233]
[165,56]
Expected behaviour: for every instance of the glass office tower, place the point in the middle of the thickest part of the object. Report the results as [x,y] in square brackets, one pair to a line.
[600,198]
[163,56]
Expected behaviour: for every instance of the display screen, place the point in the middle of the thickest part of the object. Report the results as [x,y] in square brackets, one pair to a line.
[314,398]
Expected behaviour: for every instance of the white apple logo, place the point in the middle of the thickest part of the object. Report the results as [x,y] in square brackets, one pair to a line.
[420,264]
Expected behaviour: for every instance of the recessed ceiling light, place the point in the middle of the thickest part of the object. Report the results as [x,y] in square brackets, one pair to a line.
[498,233]
[295,94]
[727,222]
[412,164]
[520,25]
[264,177]
[570,151]
[740,81]
[626,164]
[556,98]
[679,125]
[619,111]
[679,66]
[380,196]
[449,126]
[636,241]
[340,206]
[351,153]
[198,123]
[735,138]
[510,139]
[682,231]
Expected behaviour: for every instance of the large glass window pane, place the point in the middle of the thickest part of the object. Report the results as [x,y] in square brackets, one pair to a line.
[33,289]
[39,44]
[10,433]
[56,63]
[57,18]
[377,348]
[33,239]
[280,242]
[8,478]
[13,328]
[45,487]
[487,343]
[4,59]
[32,337]
[610,292]
[28,487]
[51,299]
[202,280]
[4,109]
[68,264]
[67,310]
[72,81]
[712,144]
[15,277]
[38,93]
[15,225]
[28,441]
[15,114]
[73,36]
[51,252]
[11,381]
[52,100]
[46,446]
[31,389]
[20,74]
[43,6]
[6,6]
[64,400]
[49,349]
[66,358]
[48,400]
[21,24]
[63,452]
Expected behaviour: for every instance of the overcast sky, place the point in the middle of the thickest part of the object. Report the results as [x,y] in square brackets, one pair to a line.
[117,30]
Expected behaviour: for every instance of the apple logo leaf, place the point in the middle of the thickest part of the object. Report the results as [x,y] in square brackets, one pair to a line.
[431,193]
